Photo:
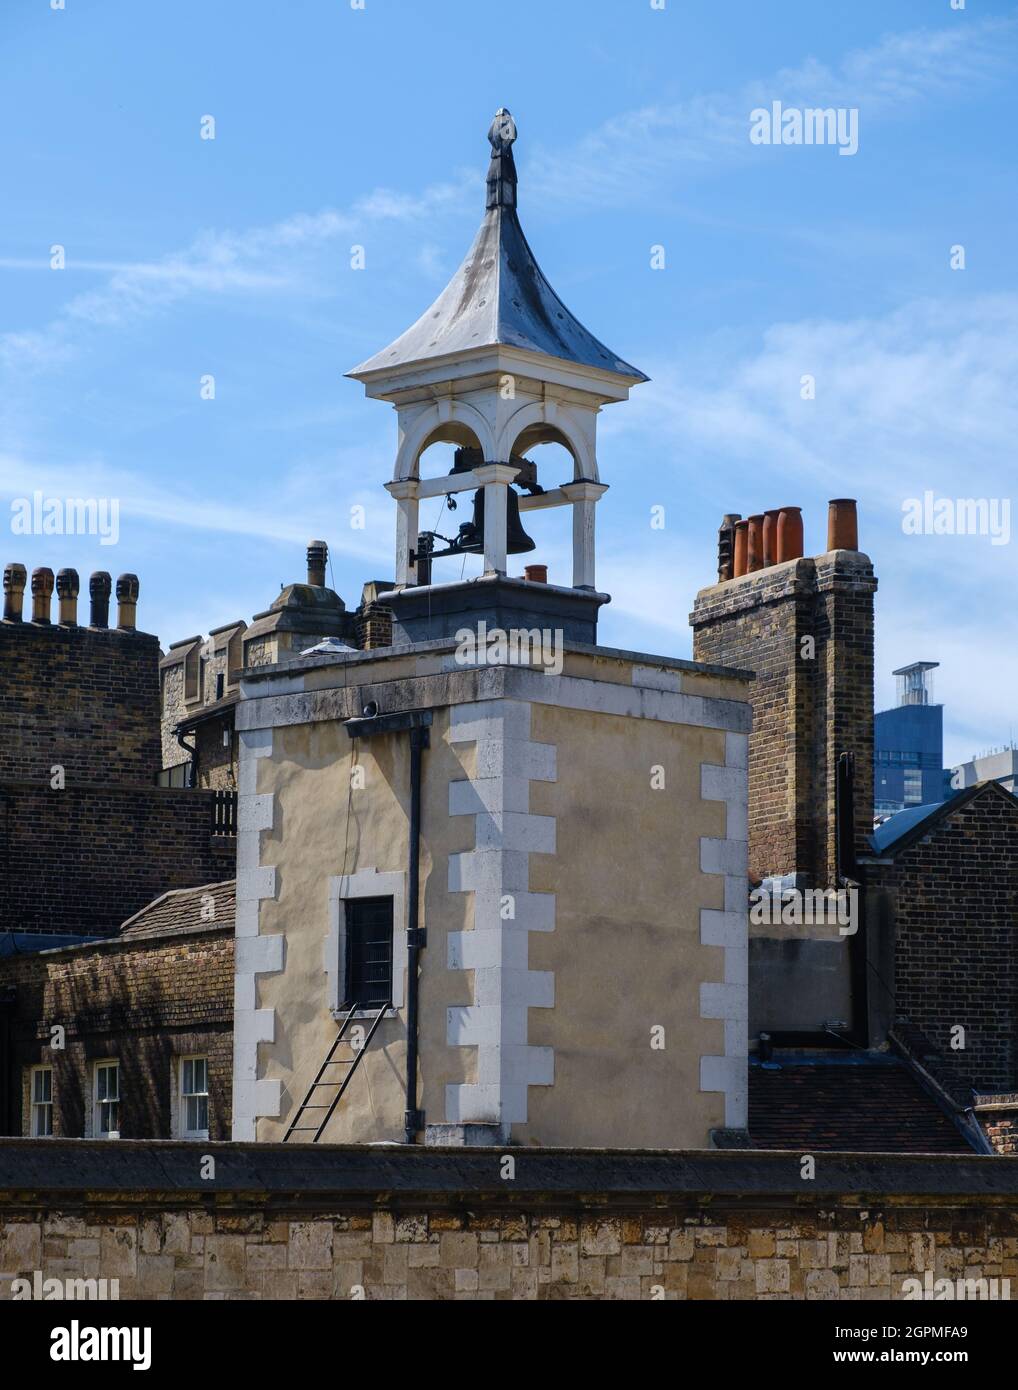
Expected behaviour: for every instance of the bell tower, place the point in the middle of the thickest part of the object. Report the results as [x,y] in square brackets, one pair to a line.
[496,366]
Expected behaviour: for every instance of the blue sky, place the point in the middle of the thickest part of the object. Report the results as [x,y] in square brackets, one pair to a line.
[338,126]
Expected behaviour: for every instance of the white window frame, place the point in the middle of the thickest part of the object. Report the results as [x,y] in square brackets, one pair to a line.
[367,883]
[97,1104]
[182,1098]
[40,1105]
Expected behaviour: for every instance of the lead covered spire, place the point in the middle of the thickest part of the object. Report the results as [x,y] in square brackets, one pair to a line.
[499,295]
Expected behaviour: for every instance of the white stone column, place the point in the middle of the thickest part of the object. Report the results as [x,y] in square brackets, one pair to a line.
[407,525]
[495,479]
[584,497]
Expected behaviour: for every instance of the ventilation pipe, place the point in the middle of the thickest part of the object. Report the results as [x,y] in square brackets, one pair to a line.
[318,558]
[127,601]
[15,578]
[726,547]
[67,593]
[42,594]
[100,586]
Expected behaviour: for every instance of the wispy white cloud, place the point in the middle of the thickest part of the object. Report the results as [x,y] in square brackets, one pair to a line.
[142,500]
[633,154]
[258,260]
[919,399]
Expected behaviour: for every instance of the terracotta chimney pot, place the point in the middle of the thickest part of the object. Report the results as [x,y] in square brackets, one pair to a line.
[842,524]
[770,538]
[741,546]
[789,534]
[754,543]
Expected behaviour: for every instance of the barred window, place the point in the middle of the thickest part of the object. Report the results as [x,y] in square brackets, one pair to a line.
[368,952]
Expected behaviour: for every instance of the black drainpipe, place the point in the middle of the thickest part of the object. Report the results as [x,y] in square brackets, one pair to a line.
[191,748]
[414,1119]
[9,1121]
[849,876]
[416,722]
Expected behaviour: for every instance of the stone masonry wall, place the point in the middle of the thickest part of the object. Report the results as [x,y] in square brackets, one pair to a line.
[162,1250]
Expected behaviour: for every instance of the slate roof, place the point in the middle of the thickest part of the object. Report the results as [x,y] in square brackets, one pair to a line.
[848,1106]
[212,710]
[181,910]
[499,295]
[905,827]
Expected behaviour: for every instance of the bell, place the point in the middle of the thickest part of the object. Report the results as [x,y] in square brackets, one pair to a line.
[470,540]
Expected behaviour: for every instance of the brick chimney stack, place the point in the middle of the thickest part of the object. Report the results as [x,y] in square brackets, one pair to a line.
[805,626]
[15,579]
[67,592]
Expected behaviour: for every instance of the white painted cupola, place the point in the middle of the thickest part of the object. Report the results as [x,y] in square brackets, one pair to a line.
[496,366]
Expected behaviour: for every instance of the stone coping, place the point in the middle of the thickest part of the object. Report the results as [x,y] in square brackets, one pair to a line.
[128,1169]
[449,644]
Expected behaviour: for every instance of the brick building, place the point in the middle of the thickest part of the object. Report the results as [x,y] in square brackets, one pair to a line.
[86,836]
[87,842]
[943,884]
[920,993]
[131,1036]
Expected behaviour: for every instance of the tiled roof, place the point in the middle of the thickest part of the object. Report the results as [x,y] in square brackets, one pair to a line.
[847,1106]
[208,907]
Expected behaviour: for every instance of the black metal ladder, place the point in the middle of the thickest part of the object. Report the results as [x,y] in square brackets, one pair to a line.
[351,1063]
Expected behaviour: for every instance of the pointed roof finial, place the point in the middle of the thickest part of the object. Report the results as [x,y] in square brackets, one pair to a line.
[502,169]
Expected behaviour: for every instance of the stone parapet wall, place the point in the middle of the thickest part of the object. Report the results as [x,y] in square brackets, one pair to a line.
[345,1224]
